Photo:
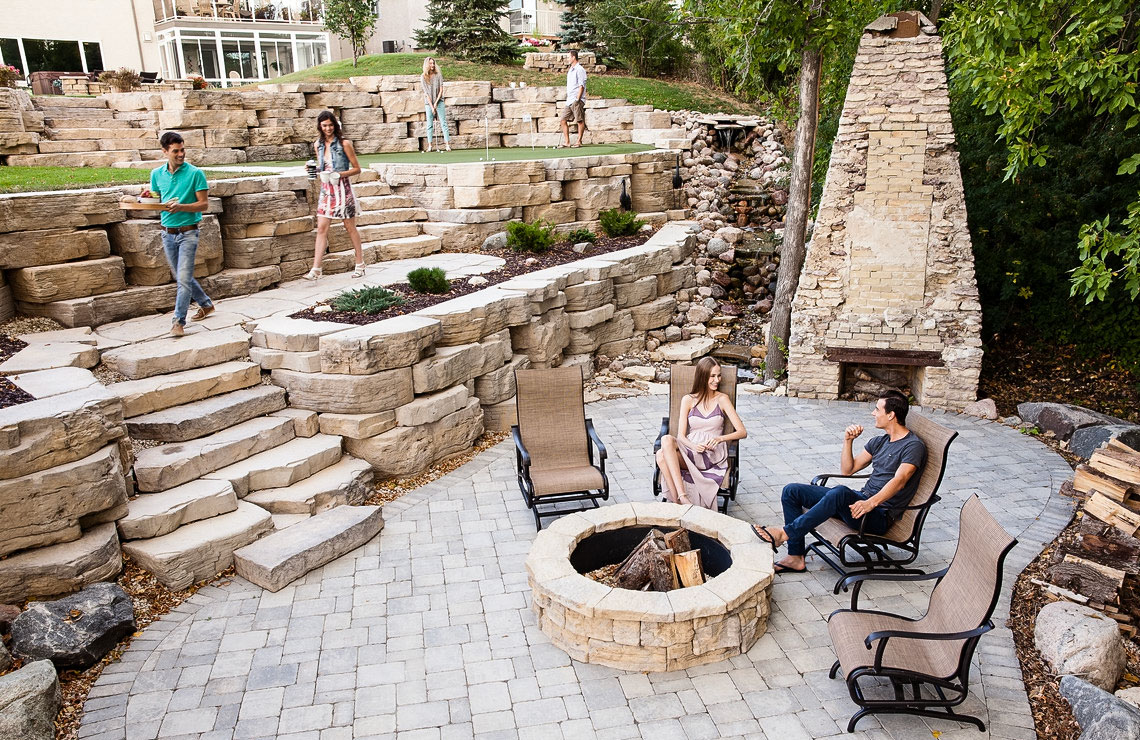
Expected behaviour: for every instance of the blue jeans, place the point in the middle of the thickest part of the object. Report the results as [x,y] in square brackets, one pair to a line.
[822,503]
[180,250]
[442,120]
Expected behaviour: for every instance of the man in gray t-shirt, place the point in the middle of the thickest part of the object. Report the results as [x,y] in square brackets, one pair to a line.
[896,459]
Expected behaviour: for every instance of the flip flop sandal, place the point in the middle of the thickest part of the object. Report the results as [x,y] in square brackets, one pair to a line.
[785,569]
[756,530]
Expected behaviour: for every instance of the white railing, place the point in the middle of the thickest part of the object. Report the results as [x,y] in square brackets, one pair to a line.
[535,23]
[248,11]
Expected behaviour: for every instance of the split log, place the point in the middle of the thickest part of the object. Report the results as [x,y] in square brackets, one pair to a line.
[1087,479]
[689,568]
[1126,520]
[1116,444]
[1107,545]
[678,540]
[1118,464]
[1054,593]
[650,563]
[1098,582]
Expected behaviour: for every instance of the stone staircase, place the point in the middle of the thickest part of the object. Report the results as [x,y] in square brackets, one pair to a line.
[235,464]
[390,225]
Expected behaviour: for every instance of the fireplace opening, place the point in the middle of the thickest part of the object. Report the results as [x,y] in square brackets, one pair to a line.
[867,382]
[611,547]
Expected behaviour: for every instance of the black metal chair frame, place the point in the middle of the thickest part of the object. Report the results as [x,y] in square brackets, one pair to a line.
[592,497]
[958,683]
[871,548]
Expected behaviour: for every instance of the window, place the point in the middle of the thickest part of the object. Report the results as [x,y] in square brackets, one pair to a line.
[55,56]
[94,56]
[10,54]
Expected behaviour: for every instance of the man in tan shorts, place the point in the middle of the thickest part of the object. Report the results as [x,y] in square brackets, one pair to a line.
[575,110]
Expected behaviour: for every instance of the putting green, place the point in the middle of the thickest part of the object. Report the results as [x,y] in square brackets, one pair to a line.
[513,154]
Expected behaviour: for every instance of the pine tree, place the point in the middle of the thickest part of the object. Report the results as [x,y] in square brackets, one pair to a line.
[578,31]
[468,29]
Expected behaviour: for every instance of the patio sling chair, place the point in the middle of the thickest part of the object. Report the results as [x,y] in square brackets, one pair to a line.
[851,551]
[553,453]
[935,650]
[680,383]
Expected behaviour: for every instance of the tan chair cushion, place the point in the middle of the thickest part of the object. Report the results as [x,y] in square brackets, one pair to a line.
[834,530]
[565,480]
[937,658]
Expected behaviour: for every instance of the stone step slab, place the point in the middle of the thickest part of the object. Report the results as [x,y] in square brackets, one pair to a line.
[61,569]
[164,391]
[281,466]
[347,394]
[383,202]
[61,282]
[175,354]
[156,514]
[63,495]
[391,215]
[52,431]
[50,355]
[274,359]
[161,468]
[279,559]
[200,550]
[347,482]
[208,415]
[44,383]
[293,335]
[305,423]
[408,247]
[370,189]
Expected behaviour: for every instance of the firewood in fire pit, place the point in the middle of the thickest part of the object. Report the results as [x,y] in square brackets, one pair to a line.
[651,562]
[689,568]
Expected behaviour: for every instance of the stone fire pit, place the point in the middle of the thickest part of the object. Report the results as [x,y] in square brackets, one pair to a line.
[650,631]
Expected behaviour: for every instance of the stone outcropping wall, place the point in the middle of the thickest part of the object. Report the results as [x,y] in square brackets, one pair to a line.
[278,121]
[63,464]
[890,266]
[559,61]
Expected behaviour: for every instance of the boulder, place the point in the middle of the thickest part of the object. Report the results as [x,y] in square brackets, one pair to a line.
[8,614]
[984,409]
[61,569]
[5,658]
[1086,440]
[1062,418]
[495,241]
[1100,715]
[1077,640]
[29,701]
[74,632]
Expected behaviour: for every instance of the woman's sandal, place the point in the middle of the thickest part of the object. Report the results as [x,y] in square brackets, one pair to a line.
[359,271]
[781,568]
[314,274]
[757,529]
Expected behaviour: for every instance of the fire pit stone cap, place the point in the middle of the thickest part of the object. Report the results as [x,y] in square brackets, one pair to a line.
[552,545]
[736,586]
[635,606]
[606,518]
[713,524]
[754,555]
[661,514]
[578,593]
[695,602]
[575,526]
[544,569]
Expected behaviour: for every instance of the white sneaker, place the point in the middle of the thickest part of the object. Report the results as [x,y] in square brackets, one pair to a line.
[359,271]
[313,274]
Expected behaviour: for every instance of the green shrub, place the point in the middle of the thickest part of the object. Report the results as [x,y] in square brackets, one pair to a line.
[429,280]
[536,237]
[370,300]
[578,236]
[616,222]
[123,79]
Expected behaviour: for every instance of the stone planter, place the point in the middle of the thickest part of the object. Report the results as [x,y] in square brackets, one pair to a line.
[650,631]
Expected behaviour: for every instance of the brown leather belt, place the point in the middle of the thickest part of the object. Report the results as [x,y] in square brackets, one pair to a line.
[180,229]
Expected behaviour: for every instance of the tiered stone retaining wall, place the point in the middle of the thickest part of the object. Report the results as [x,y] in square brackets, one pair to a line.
[559,61]
[278,121]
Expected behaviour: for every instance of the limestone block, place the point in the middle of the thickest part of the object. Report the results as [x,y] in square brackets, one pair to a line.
[596,193]
[347,394]
[305,423]
[533,109]
[50,355]
[281,466]
[273,359]
[619,327]
[199,550]
[646,260]
[69,209]
[383,345]
[162,356]
[501,195]
[407,450]
[61,569]
[589,295]
[69,280]
[208,415]
[151,394]
[687,350]
[357,426]
[51,246]
[347,482]
[447,367]
[498,385]
[432,407]
[654,119]
[44,383]
[562,212]
[156,514]
[60,429]
[496,351]
[470,318]
[341,100]
[543,338]
[258,207]
[227,137]
[63,494]
[500,417]
[655,314]
[139,242]
[207,119]
[467,90]
[592,317]
[483,174]
[403,102]
[678,278]
[292,335]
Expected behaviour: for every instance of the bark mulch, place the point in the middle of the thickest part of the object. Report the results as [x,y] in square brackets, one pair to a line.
[517,263]
[10,395]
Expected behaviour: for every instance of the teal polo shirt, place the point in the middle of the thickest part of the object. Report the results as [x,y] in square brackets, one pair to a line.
[182,185]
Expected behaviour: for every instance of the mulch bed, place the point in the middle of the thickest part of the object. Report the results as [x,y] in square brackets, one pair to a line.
[10,395]
[1017,369]
[517,263]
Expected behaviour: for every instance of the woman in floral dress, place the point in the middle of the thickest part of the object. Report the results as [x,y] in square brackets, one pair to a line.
[336,162]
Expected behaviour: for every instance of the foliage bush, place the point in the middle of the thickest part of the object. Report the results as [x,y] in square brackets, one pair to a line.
[429,280]
[198,82]
[616,222]
[536,237]
[641,34]
[468,29]
[9,75]
[122,79]
[578,236]
[370,300]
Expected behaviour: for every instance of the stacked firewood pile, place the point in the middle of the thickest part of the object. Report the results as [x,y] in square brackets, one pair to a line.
[1099,565]
[662,561]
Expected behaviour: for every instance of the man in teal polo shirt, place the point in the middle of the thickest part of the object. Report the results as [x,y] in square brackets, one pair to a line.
[183,189]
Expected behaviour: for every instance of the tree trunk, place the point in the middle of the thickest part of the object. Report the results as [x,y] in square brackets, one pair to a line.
[935,10]
[795,221]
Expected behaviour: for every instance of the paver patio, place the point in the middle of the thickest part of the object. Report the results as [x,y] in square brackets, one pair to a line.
[427,632]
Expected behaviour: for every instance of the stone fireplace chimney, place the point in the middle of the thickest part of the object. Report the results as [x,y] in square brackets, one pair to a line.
[887,292]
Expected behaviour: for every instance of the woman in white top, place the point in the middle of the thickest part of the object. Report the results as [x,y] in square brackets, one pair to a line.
[431,82]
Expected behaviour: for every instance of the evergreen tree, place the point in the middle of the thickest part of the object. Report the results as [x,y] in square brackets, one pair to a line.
[468,29]
[578,30]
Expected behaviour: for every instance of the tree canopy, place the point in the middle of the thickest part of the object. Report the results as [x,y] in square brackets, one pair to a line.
[352,20]
[468,29]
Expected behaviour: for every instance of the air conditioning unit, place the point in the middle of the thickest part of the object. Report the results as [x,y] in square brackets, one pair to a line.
[389,47]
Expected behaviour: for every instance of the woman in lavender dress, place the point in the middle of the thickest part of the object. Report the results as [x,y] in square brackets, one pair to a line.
[695,462]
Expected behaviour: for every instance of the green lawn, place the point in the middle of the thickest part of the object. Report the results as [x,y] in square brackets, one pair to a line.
[660,93]
[31,179]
